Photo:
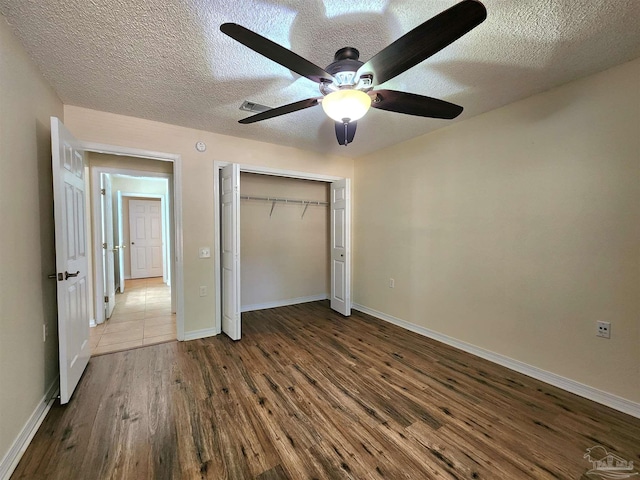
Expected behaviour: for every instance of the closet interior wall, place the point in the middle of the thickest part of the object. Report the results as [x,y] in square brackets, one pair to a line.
[284,247]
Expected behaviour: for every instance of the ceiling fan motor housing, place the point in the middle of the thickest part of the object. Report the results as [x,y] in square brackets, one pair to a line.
[344,67]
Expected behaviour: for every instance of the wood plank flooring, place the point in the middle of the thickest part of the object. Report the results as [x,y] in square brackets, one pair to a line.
[308,394]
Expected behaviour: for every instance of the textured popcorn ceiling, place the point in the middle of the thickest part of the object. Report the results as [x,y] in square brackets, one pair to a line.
[167,60]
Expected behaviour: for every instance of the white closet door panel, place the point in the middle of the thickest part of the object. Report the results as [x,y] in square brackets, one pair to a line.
[230,250]
[340,247]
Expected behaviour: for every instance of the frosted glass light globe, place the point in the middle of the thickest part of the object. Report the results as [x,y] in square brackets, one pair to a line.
[346,105]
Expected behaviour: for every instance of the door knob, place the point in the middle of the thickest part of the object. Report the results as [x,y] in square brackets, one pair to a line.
[67,274]
[133,243]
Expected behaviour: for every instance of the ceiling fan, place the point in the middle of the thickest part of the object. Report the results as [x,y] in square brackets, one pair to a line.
[347,84]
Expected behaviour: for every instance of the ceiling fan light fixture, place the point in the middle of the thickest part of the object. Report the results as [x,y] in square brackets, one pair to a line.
[346,105]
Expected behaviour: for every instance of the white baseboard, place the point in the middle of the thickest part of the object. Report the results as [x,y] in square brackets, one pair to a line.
[92,322]
[284,303]
[599,396]
[204,333]
[22,441]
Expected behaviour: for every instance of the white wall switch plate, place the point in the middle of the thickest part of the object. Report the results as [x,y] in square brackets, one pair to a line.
[203,290]
[204,252]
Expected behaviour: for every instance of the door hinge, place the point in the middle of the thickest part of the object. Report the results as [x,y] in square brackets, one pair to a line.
[104,245]
[106,299]
[103,191]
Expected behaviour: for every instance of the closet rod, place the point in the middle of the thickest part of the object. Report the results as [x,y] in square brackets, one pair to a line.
[283,200]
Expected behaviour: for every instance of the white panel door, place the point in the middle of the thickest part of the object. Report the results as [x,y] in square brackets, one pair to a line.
[68,164]
[341,247]
[230,250]
[145,238]
[108,260]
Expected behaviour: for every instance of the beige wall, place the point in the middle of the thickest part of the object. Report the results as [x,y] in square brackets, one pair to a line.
[28,366]
[283,256]
[197,173]
[517,230]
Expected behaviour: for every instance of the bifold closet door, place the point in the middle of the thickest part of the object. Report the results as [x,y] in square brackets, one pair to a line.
[230,250]
[341,247]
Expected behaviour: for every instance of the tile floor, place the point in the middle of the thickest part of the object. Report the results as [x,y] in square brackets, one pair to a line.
[142,316]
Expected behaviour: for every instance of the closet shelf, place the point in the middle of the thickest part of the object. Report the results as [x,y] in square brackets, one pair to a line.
[283,200]
[275,200]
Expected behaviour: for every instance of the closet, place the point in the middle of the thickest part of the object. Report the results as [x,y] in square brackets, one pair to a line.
[285,247]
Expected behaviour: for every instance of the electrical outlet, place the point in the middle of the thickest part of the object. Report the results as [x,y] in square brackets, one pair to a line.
[604,329]
[203,290]
[204,252]
[392,283]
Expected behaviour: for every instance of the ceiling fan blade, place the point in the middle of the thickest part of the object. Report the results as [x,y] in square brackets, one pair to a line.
[284,109]
[345,132]
[424,41]
[412,104]
[275,52]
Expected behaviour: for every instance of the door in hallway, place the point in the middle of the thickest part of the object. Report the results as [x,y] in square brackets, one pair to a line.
[146,239]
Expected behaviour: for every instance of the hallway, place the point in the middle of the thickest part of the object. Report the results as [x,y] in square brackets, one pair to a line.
[142,316]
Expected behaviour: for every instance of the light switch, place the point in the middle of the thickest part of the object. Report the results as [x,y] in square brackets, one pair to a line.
[204,252]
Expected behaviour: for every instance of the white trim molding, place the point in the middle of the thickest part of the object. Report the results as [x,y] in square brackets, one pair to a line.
[590,393]
[22,441]
[204,333]
[128,151]
[284,303]
[175,198]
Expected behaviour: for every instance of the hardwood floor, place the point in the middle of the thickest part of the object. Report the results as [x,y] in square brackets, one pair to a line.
[309,394]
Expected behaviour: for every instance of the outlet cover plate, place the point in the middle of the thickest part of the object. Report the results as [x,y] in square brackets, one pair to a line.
[204,252]
[604,329]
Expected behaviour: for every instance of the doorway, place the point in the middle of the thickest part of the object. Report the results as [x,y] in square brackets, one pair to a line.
[147,303]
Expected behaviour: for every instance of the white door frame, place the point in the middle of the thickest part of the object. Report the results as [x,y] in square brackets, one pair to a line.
[175,193]
[275,172]
[121,279]
[166,249]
